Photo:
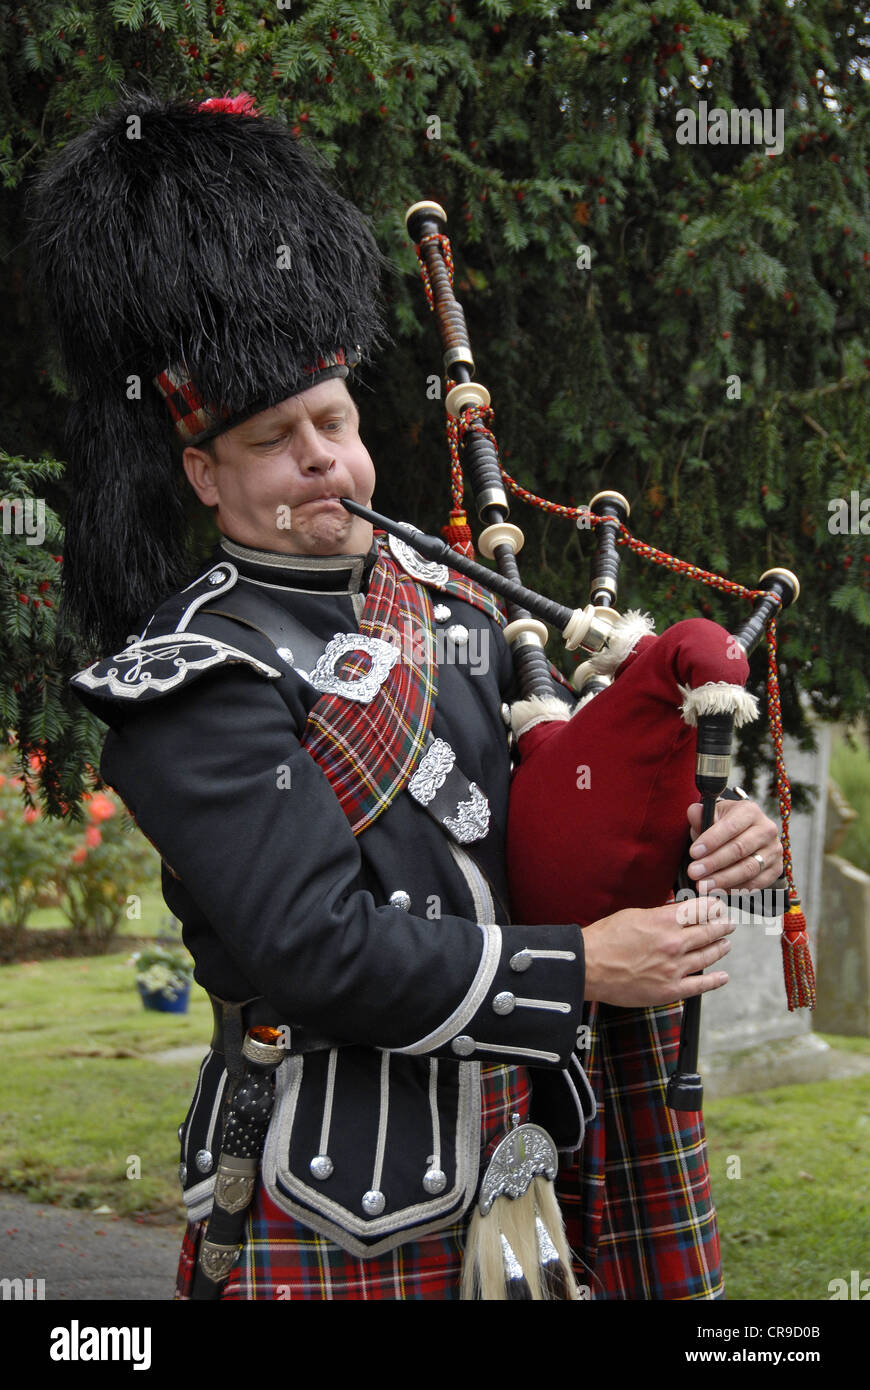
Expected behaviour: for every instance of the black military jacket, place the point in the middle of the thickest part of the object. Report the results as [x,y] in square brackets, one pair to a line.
[390,956]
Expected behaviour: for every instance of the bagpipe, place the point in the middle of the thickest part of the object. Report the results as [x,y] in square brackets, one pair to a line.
[597,816]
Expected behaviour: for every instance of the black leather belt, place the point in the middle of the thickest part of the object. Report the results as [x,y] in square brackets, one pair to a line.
[233,1019]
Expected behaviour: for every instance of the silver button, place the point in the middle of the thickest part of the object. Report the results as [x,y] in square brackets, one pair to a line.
[400,899]
[180,1131]
[521,961]
[373,1203]
[506,715]
[204,1161]
[463,1046]
[441,612]
[182,1173]
[458,633]
[435,1181]
[321,1167]
[504,1003]
[217,577]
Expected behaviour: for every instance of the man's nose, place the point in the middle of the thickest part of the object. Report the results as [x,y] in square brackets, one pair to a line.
[313,452]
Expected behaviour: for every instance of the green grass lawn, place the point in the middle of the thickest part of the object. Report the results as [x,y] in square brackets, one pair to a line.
[80,1094]
[798,1214]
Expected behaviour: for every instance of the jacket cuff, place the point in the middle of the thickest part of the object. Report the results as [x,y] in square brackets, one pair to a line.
[525,1005]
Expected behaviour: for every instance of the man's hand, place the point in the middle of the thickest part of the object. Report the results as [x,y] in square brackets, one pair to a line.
[646,956]
[726,856]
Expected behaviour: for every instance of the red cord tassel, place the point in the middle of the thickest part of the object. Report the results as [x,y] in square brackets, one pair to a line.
[457,533]
[797,963]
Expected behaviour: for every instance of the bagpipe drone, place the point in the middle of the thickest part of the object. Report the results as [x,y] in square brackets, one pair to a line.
[653,727]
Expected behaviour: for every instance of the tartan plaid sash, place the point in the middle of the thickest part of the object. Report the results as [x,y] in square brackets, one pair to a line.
[369,751]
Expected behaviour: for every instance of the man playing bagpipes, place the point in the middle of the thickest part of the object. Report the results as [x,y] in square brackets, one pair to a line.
[329,800]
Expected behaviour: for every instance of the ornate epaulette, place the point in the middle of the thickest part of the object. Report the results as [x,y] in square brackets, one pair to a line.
[444,579]
[167,656]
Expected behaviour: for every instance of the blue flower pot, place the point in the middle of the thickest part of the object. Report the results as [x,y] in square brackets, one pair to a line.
[157,1001]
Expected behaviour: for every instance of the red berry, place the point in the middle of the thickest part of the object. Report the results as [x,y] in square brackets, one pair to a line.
[333,33]
[602,198]
[22,598]
[726,334]
[382,109]
[684,217]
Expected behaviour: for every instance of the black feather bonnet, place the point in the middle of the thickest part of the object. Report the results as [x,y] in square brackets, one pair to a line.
[201,242]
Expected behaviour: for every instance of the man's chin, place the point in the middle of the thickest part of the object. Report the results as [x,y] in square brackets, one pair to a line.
[327,534]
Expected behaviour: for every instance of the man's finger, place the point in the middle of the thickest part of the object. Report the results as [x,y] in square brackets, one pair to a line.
[703,984]
[699,960]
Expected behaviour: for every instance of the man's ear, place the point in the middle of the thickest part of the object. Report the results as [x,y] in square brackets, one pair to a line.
[200,465]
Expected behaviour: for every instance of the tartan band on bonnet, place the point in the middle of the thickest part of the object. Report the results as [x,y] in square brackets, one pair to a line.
[195,421]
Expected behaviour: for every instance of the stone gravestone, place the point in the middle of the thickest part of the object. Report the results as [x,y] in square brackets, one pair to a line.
[749,1039]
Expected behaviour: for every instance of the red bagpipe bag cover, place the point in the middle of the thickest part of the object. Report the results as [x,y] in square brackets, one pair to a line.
[597,817]
[597,822]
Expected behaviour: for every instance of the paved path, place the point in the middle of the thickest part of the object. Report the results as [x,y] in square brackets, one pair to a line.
[81,1255]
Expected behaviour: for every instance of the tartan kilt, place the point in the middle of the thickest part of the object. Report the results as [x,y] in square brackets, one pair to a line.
[282,1259]
[636,1198]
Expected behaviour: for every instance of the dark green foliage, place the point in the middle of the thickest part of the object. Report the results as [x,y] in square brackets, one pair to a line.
[37,709]
[557,131]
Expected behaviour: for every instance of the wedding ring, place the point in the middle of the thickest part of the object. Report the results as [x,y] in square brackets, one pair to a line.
[760,858]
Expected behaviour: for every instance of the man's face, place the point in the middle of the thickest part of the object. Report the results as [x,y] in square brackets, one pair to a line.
[275,479]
